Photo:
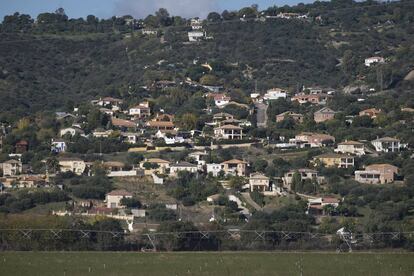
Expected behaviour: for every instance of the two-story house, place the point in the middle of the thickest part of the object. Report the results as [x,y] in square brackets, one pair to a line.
[289,114]
[387,144]
[183,167]
[313,140]
[221,100]
[228,132]
[75,165]
[163,122]
[114,198]
[234,167]
[11,167]
[377,174]
[325,114]
[311,98]
[351,147]
[157,166]
[274,94]
[58,145]
[259,182]
[335,160]
[304,174]
[141,110]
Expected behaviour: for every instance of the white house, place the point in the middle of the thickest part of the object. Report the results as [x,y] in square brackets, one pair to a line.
[199,157]
[214,169]
[149,32]
[140,111]
[351,147]
[373,60]
[129,137]
[259,182]
[274,94]
[323,201]
[109,102]
[195,36]
[58,145]
[303,174]
[113,199]
[100,133]
[196,24]
[221,100]
[72,131]
[316,205]
[181,167]
[11,167]
[169,138]
[387,144]
[228,132]
[74,165]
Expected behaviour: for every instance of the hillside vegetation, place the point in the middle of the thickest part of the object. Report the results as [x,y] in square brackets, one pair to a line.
[54,63]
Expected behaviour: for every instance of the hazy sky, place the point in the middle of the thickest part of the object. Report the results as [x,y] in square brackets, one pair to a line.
[137,8]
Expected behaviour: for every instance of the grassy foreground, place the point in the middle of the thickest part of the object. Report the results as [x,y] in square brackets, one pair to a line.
[231,263]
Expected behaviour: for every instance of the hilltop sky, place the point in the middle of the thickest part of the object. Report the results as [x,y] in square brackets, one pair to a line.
[137,8]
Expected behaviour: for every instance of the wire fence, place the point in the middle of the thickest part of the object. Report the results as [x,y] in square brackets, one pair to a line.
[230,239]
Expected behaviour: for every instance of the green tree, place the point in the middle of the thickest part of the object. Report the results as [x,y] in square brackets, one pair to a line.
[188,121]
[213,17]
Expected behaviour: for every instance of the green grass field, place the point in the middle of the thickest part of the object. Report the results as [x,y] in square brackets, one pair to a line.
[232,263]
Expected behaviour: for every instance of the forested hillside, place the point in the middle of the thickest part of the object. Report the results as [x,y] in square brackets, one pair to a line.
[54,62]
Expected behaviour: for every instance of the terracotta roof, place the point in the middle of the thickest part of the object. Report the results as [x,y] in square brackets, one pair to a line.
[351,143]
[221,97]
[304,170]
[123,123]
[234,161]
[184,164]
[289,113]
[157,160]
[258,176]
[325,110]
[330,200]
[119,193]
[140,106]
[376,167]
[160,124]
[230,127]
[231,121]
[386,139]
